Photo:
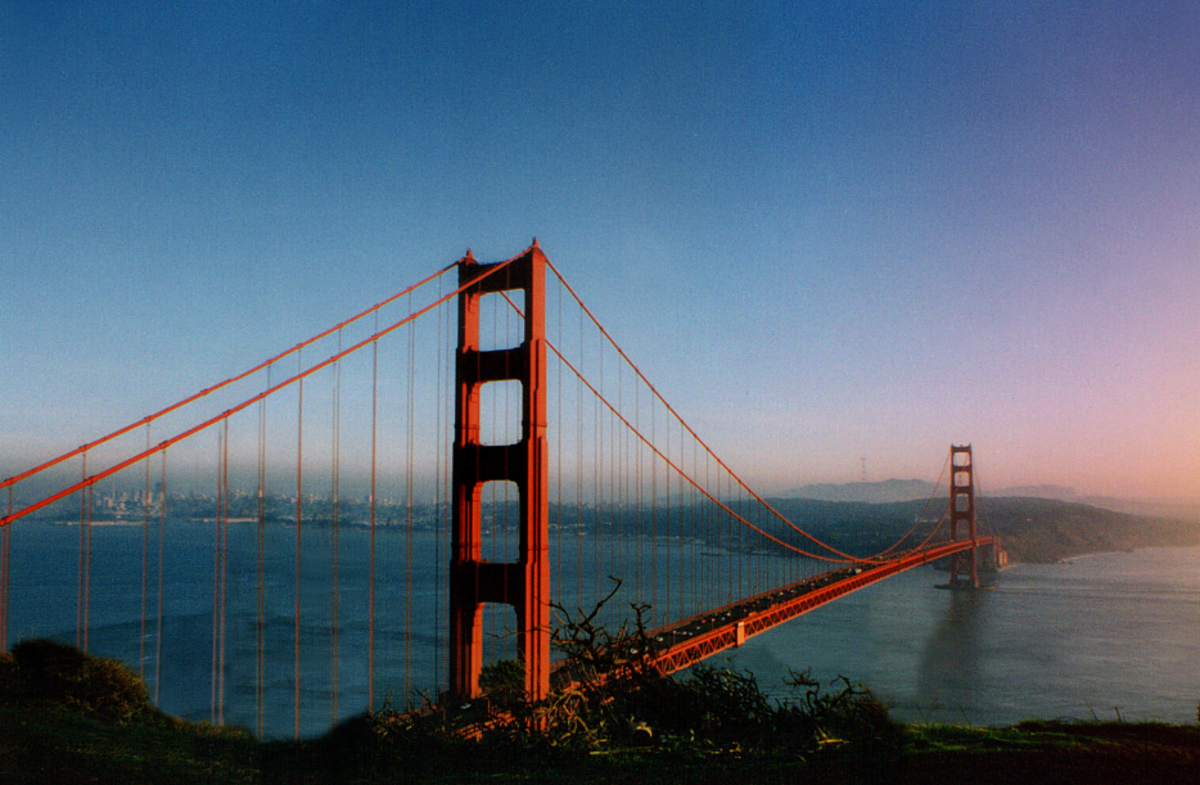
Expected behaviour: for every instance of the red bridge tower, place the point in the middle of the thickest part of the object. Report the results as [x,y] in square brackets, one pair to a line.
[525,583]
[964,566]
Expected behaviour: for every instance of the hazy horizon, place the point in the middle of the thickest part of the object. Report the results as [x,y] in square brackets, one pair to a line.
[838,238]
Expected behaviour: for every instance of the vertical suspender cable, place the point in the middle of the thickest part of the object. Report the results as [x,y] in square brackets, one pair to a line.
[626,485]
[443,449]
[627,495]
[5,565]
[617,472]
[87,569]
[507,430]
[224,573]
[162,528]
[654,516]
[598,468]
[145,560]
[613,503]
[408,520]
[216,591]
[687,561]
[730,548]
[754,562]
[499,511]
[335,509]
[643,519]
[693,538]
[445,437]
[740,550]
[667,515]
[489,614]
[79,580]
[221,551]
[711,537]
[446,392]
[762,564]
[371,565]
[259,567]
[299,520]
[605,465]
[597,474]
[558,460]
[448,399]
[640,591]
[741,539]
[579,470]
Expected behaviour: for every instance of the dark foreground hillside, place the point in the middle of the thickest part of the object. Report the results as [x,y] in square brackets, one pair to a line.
[68,718]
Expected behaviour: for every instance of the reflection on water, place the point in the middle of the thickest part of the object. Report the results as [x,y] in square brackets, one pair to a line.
[950,664]
[1108,634]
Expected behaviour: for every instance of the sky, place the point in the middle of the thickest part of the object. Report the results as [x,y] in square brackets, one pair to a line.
[837,236]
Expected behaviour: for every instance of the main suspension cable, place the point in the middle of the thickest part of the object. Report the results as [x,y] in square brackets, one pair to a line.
[231,380]
[299,376]
[845,556]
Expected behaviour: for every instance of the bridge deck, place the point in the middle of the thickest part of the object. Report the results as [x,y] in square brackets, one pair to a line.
[685,643]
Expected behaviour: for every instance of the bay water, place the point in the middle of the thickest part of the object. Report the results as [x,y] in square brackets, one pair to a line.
[1108,635]
[1112,635]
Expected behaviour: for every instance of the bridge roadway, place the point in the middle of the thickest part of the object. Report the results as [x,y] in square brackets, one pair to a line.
[685,643]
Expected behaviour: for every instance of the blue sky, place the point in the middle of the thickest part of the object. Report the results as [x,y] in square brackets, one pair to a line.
[827,231]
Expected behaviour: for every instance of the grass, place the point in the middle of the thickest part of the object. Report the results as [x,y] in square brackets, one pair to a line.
[47,745]
[68,718]
[1068,752]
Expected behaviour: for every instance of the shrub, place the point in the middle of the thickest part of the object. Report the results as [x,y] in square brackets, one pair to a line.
[845,713]
[610,696]
[50,672]
[503,680]
[619,698]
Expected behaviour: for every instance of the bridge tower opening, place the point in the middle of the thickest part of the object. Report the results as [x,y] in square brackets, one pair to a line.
[525,583]
[964,566]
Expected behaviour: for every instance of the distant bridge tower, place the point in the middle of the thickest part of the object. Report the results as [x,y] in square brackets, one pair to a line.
[525,583]
[964,566]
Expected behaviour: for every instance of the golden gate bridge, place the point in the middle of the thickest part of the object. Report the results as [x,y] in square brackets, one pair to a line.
[404,498]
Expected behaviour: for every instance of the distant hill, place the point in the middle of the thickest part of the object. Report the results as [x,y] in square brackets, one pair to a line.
[1050,529]
[1181,509]
[907,490]
[1059,492]
[889,491]
[873,492]
[1031,529]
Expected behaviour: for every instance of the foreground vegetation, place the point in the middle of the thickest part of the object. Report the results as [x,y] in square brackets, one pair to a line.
[65,717]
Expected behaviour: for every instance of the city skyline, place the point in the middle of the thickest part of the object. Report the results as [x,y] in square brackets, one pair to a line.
[837,238]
